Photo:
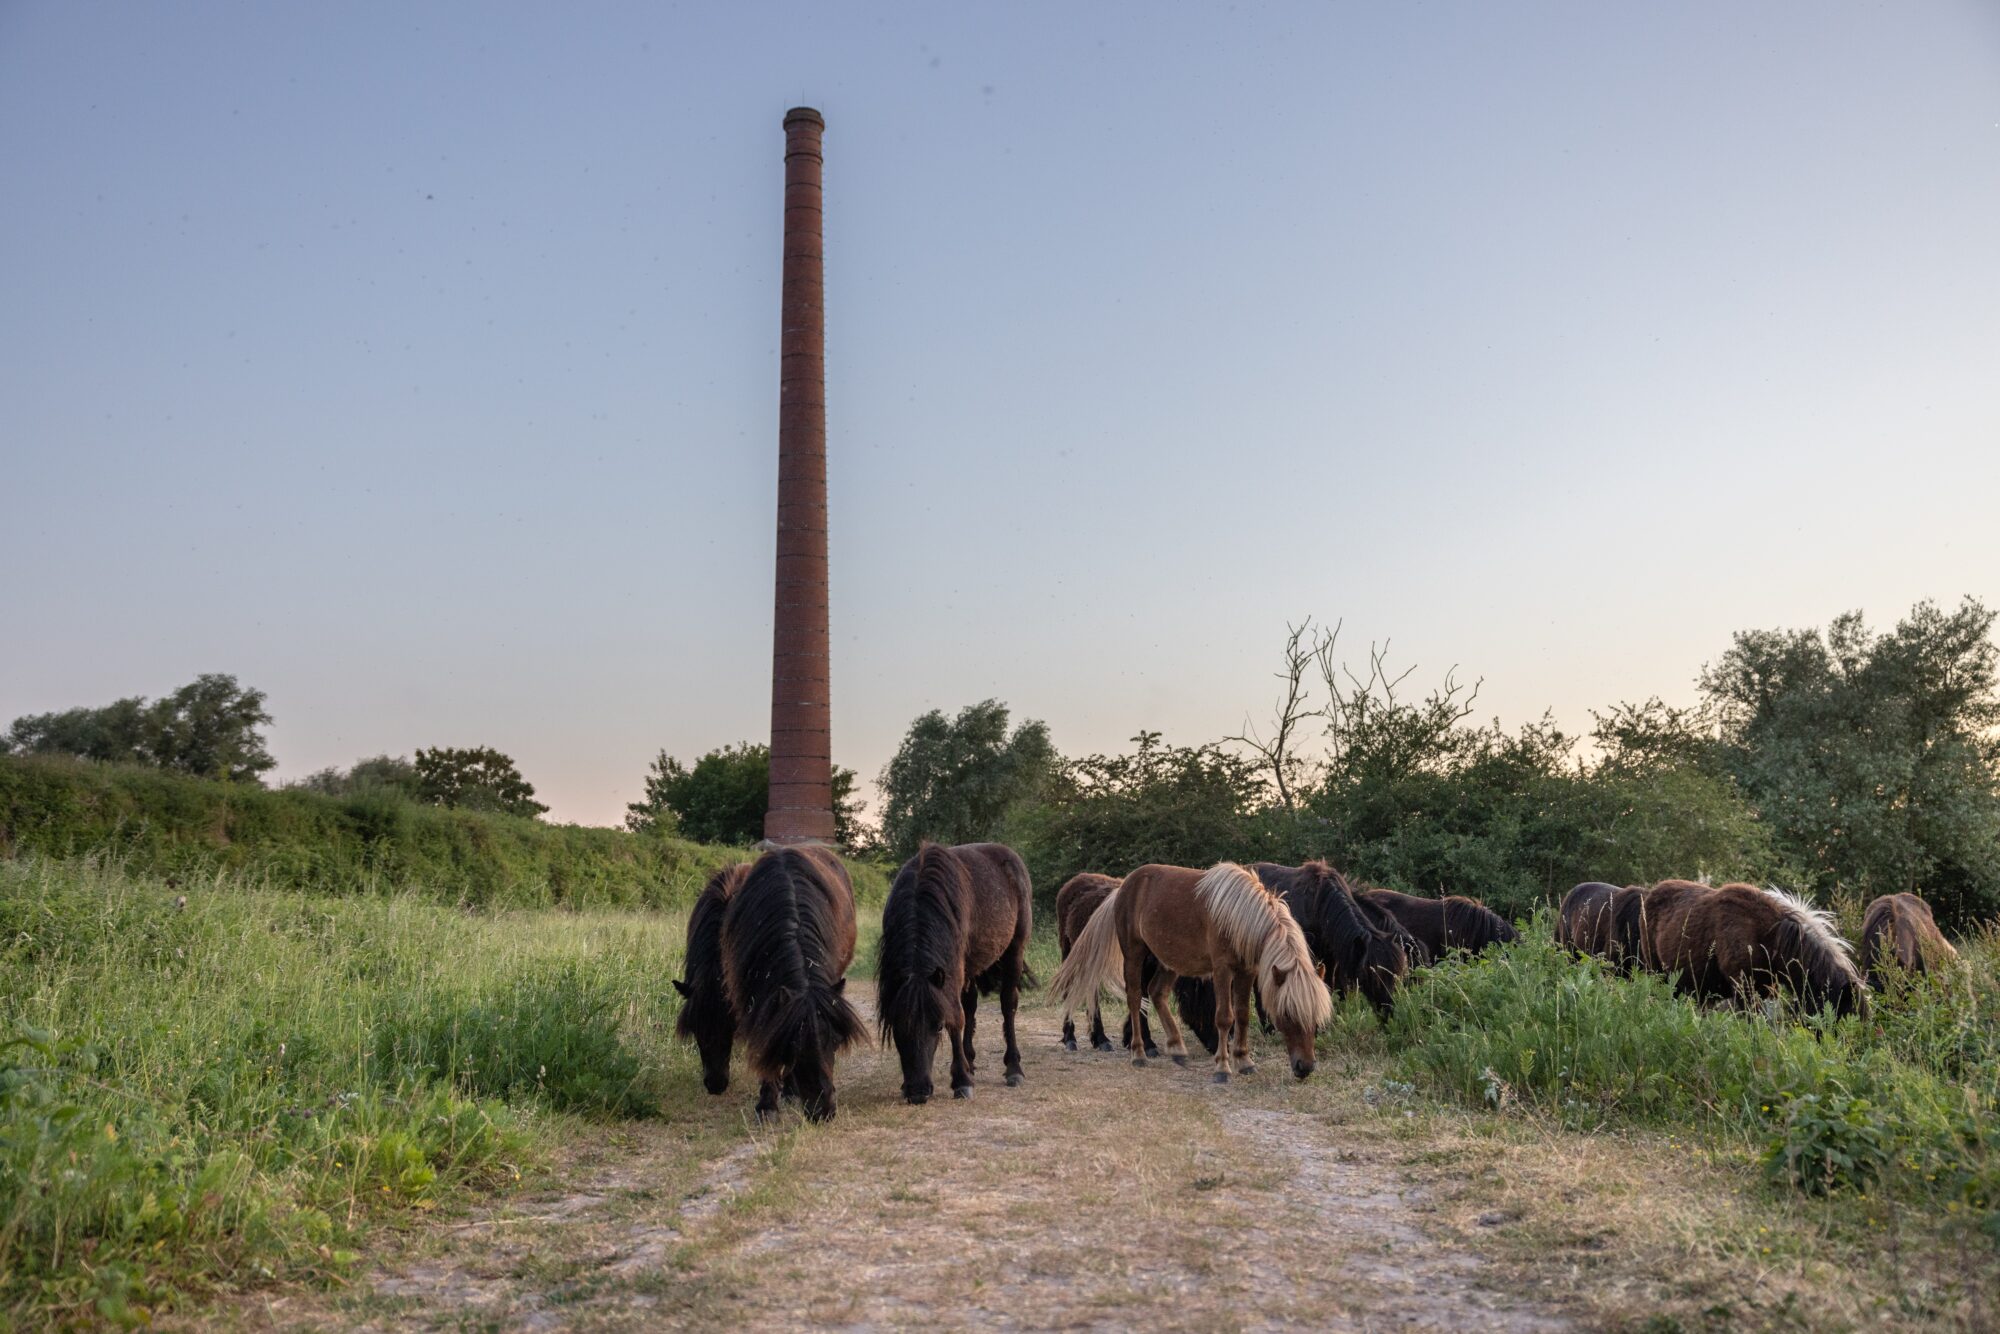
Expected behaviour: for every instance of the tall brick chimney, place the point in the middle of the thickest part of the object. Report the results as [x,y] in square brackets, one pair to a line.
[801,699]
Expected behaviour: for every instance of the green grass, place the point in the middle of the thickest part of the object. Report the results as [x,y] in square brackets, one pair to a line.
[234,1089]
[1901,1104]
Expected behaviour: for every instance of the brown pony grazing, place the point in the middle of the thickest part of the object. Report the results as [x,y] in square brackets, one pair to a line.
[1604,920]
[1078,898]
[705,1018]
[1362,946]
[1219,923]
[1741,940]
[1443,925]
[787,939]
[1899,929]
[956,924]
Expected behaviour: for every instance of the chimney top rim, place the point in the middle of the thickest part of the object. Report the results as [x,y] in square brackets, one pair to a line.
[805,114]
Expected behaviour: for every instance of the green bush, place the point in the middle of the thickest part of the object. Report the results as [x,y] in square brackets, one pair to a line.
[190,830]
[1828,1143]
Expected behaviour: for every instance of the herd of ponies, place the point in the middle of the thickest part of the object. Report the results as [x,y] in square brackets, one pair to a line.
[769,944]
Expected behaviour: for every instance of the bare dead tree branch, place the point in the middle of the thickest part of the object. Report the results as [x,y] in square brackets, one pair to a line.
[1279,755]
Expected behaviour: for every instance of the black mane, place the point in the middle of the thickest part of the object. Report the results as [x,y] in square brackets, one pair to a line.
[784,981]
[705,1003]
[923,942]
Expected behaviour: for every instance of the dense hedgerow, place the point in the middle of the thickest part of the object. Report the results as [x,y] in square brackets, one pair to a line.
[234,1087]
[1905,1100]
[191,830]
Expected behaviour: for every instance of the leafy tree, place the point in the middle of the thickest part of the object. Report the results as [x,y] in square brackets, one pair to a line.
[954,779]
[477,778]
[723,798]
[209,728]
[1874,758]
[391,775]
[1186,805]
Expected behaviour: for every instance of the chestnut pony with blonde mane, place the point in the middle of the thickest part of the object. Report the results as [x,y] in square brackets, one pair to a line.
[1739,940]
[1220,923]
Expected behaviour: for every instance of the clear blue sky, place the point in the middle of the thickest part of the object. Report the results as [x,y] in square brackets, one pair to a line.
[418,364]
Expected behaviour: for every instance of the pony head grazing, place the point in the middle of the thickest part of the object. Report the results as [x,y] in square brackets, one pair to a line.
[705,1018]
[782,969]
[1262,930]
[920,973]
[1808,951]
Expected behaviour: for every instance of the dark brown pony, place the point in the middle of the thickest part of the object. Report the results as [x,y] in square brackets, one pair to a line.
[1364,948]
[1739,940]
[1443,925]
[1218,923]
[1078,898]
[956,925]
[1899,929]
[1604,920]
[705,1018]
[787,939]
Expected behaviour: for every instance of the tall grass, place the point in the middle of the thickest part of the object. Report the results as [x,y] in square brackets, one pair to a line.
[1902,1102]
[234,1085]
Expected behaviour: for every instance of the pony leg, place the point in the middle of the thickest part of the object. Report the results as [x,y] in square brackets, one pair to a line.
[1097,1035]
[970,1002]
[1010,997]
[767,1100]
[1135,982]
[1069,1031]
[1163,985]
[1224,985]
[961,1068]
[1241,1047]
[1146,1035]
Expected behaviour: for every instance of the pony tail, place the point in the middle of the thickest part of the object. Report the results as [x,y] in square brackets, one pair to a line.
[1095,961]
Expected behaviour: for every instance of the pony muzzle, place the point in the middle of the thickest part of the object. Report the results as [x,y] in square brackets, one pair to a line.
[1301,1067]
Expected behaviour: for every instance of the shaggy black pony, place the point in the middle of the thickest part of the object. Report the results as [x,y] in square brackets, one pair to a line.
[705,1018]
[1440,926]
[956,925]
[1080,896]
[787,939]
[1361,948]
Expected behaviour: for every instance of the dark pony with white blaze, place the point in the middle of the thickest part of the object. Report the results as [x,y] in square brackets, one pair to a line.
[1898,931]
[955,927]
[1607,921]
[1360,949]
[787,939]
[705,1018]
[1441,926]
[1738,941]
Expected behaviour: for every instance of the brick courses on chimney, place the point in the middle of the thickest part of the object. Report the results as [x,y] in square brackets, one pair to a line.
[801,697]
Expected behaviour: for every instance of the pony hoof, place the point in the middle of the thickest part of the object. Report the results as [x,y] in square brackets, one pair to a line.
[1221,1077]
[1246,1069]
[1104,1044]
[1013,1079]
[1138,1060]
[1152,1051]
[962,1091]
[1181,1061]
[1069,1043]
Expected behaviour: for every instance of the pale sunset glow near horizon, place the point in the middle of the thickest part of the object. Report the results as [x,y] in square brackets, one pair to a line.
[418,366]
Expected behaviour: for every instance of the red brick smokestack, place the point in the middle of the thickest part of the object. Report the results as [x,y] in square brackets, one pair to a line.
[801,698]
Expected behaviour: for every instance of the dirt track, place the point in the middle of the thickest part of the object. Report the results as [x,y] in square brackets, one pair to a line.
[1094,1196]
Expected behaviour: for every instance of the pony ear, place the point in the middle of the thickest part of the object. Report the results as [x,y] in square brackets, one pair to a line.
[682,987]
[784,995]
[1278,976]
[1319,969]
[937,977]
[840,987]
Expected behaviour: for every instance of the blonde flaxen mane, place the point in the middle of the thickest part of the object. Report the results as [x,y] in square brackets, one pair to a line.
[1817,921]
[1259,927]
